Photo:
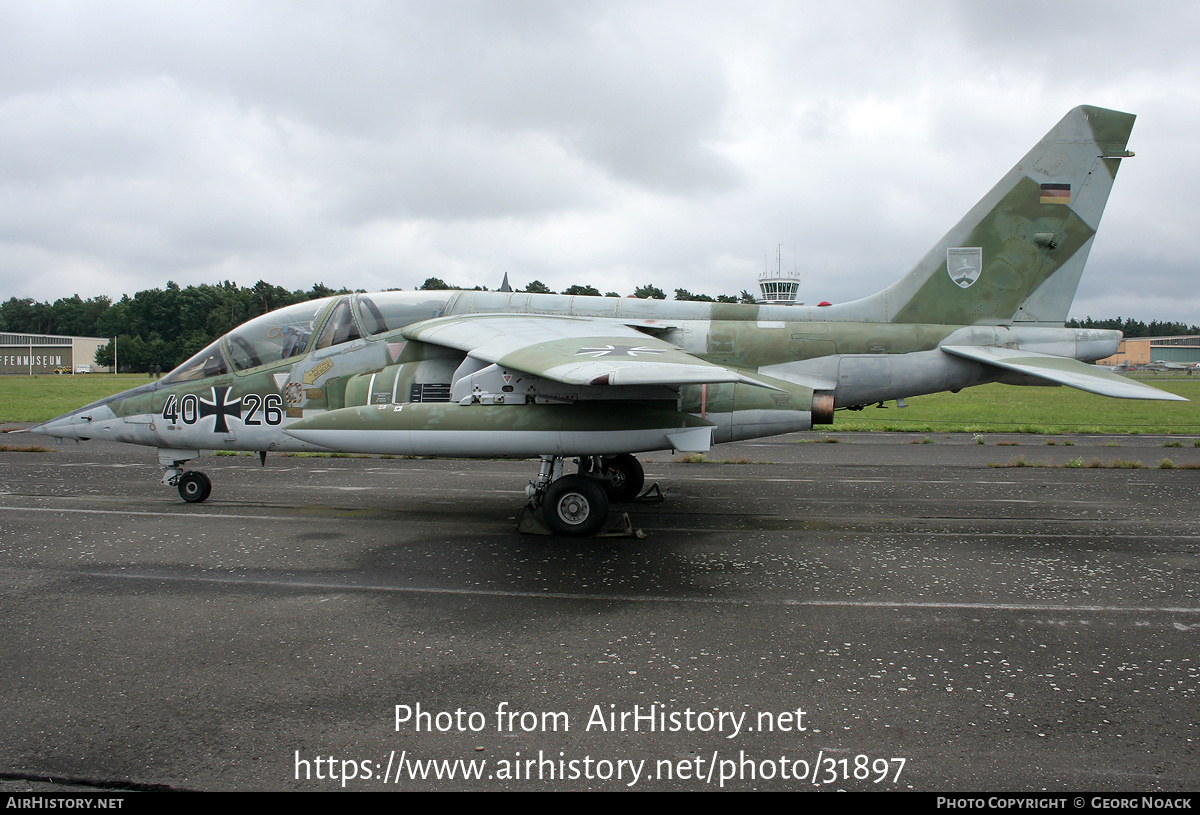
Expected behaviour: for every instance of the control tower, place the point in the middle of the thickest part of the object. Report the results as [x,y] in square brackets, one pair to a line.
[778,287]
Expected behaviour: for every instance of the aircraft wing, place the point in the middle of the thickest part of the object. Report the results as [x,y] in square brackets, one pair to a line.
[573,350]
[1064,371]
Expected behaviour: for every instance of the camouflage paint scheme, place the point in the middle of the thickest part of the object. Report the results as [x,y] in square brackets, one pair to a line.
[502,373]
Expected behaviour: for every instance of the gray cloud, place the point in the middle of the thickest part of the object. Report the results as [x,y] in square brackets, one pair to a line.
[615,143]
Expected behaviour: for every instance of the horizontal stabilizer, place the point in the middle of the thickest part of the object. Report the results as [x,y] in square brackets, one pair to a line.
[1064,371]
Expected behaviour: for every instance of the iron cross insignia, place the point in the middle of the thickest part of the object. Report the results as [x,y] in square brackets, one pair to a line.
[618,351]
[219,408]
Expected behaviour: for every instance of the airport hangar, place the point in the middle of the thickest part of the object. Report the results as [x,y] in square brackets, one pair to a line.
[47,354]
[1147,350]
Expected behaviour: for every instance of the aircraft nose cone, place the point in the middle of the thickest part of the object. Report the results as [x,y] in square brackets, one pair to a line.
[60,427]
[80,424]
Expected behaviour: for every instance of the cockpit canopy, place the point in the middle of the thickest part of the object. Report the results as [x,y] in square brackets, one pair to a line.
[276,336]
[386,311]
[208,362]
[288,332]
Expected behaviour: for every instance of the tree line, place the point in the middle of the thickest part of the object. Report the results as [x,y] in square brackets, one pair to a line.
[157,326]
[647,292]
[1134,329]
[166,326]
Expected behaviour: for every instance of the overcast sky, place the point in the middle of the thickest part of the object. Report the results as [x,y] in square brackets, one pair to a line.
[375,144]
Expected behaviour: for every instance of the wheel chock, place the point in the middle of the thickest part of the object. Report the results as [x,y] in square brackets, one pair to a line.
[529,521]
[651,495]
[623,528]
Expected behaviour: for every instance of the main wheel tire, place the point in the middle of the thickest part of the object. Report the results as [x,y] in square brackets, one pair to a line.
[574,506]
[622,477]
[194,486]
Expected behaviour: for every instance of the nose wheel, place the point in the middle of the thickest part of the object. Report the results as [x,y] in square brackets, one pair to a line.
[194,486]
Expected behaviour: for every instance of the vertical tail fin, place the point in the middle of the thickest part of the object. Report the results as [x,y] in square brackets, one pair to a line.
[1018,254]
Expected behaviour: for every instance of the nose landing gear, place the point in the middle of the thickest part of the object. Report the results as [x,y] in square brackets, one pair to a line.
[194,486]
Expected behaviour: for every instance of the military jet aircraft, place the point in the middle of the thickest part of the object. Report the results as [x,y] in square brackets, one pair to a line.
[1176,366]
[511,374]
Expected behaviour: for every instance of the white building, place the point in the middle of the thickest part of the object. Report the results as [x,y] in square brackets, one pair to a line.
[47,354]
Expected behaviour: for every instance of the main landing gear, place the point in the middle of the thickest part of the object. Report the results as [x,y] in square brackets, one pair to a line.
[621,476]
[577,505]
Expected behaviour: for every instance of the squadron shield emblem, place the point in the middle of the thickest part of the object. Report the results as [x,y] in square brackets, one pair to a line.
[964,264]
